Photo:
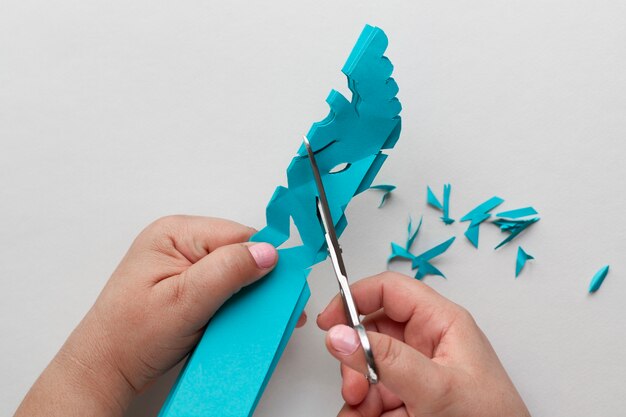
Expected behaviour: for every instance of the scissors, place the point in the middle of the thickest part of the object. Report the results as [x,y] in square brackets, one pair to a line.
[340,270]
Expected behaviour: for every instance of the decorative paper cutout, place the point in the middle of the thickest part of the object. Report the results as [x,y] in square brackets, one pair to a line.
[387,188]
[477,216]
[445,207]
[226,374]
[522,257]
[598,279]
[419,262]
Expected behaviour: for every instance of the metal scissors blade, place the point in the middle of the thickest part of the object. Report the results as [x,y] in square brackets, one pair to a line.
[334,251]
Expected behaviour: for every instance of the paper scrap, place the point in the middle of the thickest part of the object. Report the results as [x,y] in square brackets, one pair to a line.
[522,257]
[517,213]
[598,279]
[398,251]
[445,207]
[477,216]
[419,262]
[387,188]
[514,227]
[222,377]
[432,199]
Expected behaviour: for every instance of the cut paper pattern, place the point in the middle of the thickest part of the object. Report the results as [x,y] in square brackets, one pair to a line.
[598,279]
[522,257]
[229,369]
[445,207]
[419,262]
[514,227]
[477,216]
[387,188]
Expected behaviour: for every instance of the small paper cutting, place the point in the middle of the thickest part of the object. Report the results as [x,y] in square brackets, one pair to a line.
[445,207]
[387,188]
[598,279]
[419,262]
[477,216]
[514,227]
[522,257]
[517,213]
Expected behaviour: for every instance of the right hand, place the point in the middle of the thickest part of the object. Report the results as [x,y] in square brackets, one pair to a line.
[432,358]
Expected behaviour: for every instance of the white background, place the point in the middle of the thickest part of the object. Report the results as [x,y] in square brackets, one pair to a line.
[115,113]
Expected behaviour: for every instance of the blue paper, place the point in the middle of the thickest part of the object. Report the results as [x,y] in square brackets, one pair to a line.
[477,216]
[598,279]
[445,207]
[227,372]
[514,227]
[387,188]
[432,199]
[483,208]
[517,213]
[412,236]
[522,257]
[419,262]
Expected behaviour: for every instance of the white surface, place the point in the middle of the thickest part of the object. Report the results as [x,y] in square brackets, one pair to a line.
[115,113]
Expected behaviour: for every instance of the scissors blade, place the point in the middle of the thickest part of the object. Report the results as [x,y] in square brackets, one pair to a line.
[324,207]
[334,251]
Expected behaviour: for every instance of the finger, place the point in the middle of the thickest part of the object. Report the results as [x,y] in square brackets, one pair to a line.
[398,412]
[379,322]
[302,320]
[398,294]
[372,406]
[193,237]
[403,370]
[404,300]
[354,385]
[208,283]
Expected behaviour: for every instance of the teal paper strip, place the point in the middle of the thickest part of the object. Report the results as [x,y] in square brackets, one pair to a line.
[517,213]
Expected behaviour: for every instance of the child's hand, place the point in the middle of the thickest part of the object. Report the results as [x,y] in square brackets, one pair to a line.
[151,313]
[432,358]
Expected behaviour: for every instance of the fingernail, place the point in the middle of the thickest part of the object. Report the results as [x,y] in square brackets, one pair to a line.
[264,254]
[343,339]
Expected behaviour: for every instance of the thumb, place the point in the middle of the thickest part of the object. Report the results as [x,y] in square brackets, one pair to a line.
[208,283]
[406,372]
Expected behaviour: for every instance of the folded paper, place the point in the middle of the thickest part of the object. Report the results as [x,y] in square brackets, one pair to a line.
[229,369]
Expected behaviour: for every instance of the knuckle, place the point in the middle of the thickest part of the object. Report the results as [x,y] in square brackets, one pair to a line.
[236,261]
[464,315]
[167,222]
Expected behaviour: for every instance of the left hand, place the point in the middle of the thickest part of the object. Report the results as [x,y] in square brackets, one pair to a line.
[151,313]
